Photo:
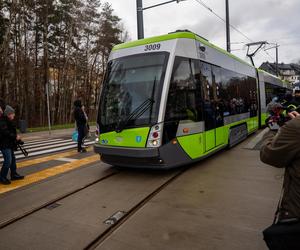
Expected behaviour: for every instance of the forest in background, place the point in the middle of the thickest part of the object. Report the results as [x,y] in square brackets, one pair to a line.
[59,45]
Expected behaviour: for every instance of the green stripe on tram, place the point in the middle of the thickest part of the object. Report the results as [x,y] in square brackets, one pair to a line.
[193,145]
[201,144]
[264,116]
[135,137]
[154,39]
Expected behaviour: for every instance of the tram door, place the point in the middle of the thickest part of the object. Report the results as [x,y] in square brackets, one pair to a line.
[208,105]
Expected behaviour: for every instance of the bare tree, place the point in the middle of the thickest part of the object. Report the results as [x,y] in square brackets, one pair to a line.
[63,45]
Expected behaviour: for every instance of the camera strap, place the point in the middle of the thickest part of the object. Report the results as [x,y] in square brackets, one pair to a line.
[23,150]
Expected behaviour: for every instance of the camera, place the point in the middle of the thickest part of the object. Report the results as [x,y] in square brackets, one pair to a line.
[19,142]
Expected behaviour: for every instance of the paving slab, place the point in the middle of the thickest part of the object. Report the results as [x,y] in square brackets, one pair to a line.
[222,203]
[23,200]
[79,219]
[39,167]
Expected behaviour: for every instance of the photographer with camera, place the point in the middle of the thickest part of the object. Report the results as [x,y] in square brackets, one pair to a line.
[8,143]
[282,150]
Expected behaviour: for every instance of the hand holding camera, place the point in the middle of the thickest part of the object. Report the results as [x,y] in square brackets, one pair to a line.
[293,114]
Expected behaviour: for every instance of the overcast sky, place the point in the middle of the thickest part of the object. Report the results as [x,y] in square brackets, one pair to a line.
[275,21]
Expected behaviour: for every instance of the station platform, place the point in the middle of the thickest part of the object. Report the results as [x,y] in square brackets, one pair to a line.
[223,202]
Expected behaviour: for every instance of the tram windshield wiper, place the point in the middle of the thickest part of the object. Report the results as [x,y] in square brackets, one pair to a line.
[139,111]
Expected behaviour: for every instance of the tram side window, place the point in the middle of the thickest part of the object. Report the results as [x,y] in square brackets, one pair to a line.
[236,92]
[230,93]
[184,100]
[274,91]
[253,96]
[243,93]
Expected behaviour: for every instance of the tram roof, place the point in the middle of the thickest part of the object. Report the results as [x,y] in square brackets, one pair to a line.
[176,35]
[279,80]
[267,73]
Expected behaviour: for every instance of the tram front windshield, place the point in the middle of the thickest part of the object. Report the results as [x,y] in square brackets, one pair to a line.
[130,82]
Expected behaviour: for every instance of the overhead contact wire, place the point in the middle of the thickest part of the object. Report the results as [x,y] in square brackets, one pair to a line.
[223,20]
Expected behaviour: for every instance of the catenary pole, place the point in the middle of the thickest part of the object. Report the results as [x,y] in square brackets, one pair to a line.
[227,27]
[140,19]
[277,73]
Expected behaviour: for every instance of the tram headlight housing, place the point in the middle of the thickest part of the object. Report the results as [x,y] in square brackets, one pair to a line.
[155,136]
[97,133]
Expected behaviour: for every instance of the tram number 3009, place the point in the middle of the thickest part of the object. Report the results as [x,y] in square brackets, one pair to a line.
[151,47]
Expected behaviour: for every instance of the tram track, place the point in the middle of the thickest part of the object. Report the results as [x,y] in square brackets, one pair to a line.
[140,188]
[52,201]
[104,235]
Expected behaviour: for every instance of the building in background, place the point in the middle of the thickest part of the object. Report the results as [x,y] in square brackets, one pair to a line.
[287,72]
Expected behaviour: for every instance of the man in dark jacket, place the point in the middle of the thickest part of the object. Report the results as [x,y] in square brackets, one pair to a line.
[9,138]
[81,121]
[282,150]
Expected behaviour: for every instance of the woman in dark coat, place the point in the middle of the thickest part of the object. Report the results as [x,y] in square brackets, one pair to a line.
[81,121]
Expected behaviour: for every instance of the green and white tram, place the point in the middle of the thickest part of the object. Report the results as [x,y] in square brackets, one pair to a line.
[174,99]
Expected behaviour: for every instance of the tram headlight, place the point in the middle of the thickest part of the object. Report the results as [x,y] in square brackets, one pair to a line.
[154,139]
[155,143]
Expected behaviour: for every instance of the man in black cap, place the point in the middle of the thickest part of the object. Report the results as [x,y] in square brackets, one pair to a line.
[81,121]
[9,138]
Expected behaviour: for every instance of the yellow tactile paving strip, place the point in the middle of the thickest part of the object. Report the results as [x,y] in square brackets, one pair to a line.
[28,163]
[41,175]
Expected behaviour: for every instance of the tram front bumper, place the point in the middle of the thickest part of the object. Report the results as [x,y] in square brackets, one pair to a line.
[127,152]
[129,157]
[164,157]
